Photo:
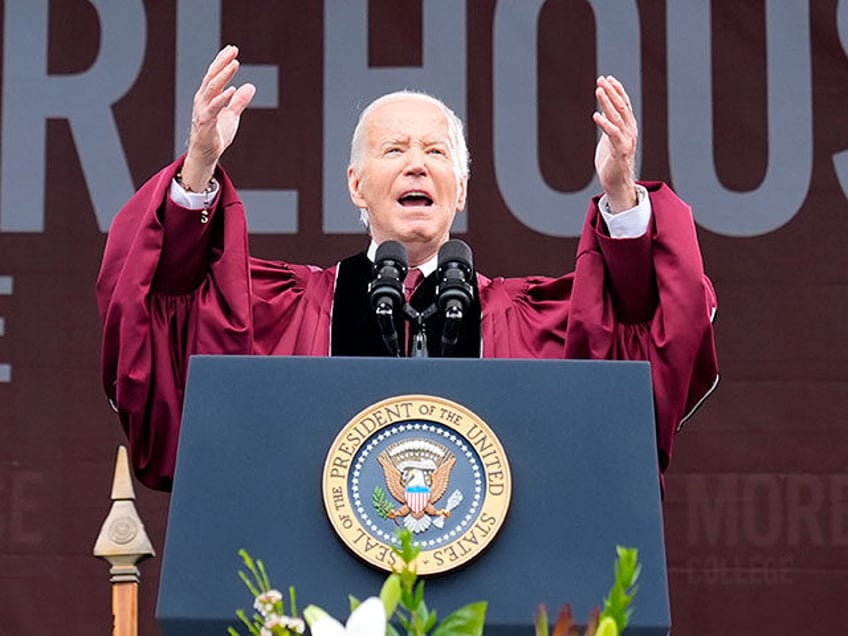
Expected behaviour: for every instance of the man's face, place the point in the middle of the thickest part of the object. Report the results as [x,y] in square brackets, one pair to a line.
[407,180]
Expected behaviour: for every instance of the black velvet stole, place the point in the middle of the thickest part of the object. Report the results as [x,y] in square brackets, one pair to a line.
[355,331]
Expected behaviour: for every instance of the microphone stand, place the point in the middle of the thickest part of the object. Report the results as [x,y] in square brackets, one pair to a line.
[450,332]
[385,318]
[419,337]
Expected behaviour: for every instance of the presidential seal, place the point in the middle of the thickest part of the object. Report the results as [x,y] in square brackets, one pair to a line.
[423,463]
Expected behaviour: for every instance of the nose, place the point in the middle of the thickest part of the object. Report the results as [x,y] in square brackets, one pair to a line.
[416,162]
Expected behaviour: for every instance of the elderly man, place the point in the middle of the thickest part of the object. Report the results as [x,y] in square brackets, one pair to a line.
[177,280]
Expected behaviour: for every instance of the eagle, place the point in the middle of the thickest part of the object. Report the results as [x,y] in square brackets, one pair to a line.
[417,474]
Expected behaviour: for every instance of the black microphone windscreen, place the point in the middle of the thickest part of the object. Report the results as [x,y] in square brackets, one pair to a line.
[456,251]
[391,250]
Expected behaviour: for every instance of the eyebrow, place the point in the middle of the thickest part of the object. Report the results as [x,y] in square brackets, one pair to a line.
[394,140]
[398,140]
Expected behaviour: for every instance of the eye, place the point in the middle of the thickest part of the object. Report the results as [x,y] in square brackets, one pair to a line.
[438,151]
[393,150]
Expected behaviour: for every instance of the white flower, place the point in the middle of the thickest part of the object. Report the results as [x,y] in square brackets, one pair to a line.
[296,625]
[369,619]
[286,622]
[264,603]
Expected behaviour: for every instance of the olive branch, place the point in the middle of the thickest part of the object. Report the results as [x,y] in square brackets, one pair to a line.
[381,503]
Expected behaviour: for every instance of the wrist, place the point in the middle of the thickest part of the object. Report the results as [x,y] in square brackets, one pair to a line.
[209,189]
[623,198]
[188,185]
[196,173]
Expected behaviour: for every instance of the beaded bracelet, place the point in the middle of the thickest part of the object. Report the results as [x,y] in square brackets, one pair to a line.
[209,189]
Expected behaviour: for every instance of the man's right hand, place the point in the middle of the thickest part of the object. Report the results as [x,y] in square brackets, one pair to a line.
[214,118]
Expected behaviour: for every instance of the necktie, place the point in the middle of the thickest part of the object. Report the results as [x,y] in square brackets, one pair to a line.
[411,283]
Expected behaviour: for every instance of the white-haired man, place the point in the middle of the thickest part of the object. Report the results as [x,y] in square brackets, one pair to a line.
[177,279]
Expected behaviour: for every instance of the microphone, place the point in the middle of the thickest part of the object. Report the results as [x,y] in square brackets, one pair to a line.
[454,291]
[385,292]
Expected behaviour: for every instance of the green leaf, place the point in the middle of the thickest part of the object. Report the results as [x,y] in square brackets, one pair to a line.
[390,594]
[391,631]
[251,565]
[250,586]
[465,621]
[407,551]
[264,581]
[382,504]
[419,592]
[542,621]
[431,620]
[292,601]
[421,615]
[354,602]
[617,604]
[407,599]
[607,627]
[251,628]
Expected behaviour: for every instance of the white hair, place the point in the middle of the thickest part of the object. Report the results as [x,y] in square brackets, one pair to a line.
[456,137]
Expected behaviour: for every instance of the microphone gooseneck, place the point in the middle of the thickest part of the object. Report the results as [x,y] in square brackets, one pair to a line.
[454,291]
[385,292]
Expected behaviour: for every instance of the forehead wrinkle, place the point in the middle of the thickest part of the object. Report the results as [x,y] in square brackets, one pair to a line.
[393,139]
[385,121]
[405,140]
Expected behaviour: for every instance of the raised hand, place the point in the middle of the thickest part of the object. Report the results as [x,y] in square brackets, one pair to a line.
[215,118]
[615,156]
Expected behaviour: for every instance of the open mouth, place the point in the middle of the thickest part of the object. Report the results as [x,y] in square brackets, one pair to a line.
[415,199]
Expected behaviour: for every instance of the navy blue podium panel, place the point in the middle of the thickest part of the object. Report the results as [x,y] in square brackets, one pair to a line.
[256,431]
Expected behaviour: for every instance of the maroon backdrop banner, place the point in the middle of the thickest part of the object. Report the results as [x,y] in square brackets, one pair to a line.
[742,110]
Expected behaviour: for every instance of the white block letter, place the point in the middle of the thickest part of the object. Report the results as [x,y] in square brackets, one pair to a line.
[198,39]
[840,160]
[31,96]
[529,197]
[690,128]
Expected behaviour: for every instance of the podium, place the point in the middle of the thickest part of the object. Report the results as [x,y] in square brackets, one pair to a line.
[579,437]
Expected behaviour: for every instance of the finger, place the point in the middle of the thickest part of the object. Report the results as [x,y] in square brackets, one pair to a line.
[617,96]
[620,91]
[220,102]
[615,108]
[223,59]
[621,142]
[604,124]
[609,110]
[241,99]
[220,81]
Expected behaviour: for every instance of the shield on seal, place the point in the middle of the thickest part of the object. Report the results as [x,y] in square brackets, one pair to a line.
[417,498]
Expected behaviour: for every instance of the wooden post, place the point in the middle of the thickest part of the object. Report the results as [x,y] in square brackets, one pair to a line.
[123,543]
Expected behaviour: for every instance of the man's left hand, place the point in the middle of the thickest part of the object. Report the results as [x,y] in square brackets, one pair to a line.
[615,156]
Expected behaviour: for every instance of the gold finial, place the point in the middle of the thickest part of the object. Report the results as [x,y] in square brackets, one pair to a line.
[122,540]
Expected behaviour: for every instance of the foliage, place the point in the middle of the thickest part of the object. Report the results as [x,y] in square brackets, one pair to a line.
[617,605]
[413,614]
[269,619]
[382,503]
[402,600]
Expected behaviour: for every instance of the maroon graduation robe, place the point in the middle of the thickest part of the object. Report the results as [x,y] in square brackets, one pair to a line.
[170,287]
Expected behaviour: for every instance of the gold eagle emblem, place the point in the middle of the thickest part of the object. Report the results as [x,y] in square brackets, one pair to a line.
[417,474]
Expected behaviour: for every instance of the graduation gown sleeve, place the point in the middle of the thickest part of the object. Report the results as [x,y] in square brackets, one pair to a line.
[645,298]
[170,287]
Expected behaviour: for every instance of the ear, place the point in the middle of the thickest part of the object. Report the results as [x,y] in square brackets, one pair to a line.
[462,194]
[354,186]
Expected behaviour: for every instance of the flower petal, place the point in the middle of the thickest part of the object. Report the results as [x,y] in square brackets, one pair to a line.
[369,619]
[321,623]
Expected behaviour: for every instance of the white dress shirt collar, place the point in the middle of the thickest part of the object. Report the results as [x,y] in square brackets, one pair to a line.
[426,268]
